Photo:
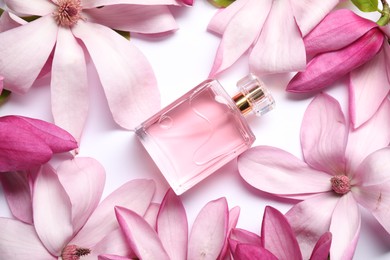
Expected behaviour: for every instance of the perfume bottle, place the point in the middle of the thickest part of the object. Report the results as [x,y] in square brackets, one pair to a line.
[203,130]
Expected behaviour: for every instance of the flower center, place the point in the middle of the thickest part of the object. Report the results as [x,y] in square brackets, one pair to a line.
[72,252]
[68,12]
[340,184]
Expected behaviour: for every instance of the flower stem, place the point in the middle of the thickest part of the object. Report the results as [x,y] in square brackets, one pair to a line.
[385,17]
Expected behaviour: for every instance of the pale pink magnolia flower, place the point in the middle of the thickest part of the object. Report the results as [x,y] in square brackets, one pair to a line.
[271,30]
[59,215]
[277,241]
[170,240]
[345,43]
[342,169]
[62,39]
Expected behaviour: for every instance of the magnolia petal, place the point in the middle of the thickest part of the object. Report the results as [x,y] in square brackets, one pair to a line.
[126,76]
[172,226]
[209,231]
[18,194]
[326,68]
[223,16]
[1,84]
[112,257]
[242,236]
[114,243]
[69,87]
[133,18]
[280,46]
[234,214]
[9,21]
[51,211]
[309,221]
[247,251]
[135,195]
[151,214]
[322,247]
[18,241]
[240,34]
[345,227]
[34,7]
[97,3]
[309,13]
[373,135]
[142,238]
[83,180]
[386,47]
[39,38]
[323,135]
[278,172]
[337,30]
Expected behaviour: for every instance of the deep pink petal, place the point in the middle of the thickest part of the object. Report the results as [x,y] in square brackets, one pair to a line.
[126,76]
[309,13]
[248,251]
[234,214]
[172,226]
[51,211]
[277,235]
[386,47]
[18,241]
[309,221]
[134,18]
[281,173]
[151,214]
[34,7]
[69,86]
[337,30]
[322,247]
[18,194]
[142,238]
[135,195]
[368,87]
[326,68]
[242,236]
[114,243]
[9,21]
[280,46]
[372,136]
[323,135]
[240,34]
[345,227]
[209,231]
[39,38]
[98,3]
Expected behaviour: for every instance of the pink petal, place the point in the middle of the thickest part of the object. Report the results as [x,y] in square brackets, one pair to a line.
[223,16]
[209,231]
[247,251]
[18,194]
[112,257]
[69,86]
[135,195]
[240,34]
[323,135]
[114,243]
[151,215]
[98,3]
[125,74]
[345,227]
[277,235]
[51,211]
[242,236]
[309,13]
[134,18]
[34,7]
[368,87]
[281,173]
[322,247]
[280,46]
[18,241]
[172,226]
[386,30]
[234,214]
[373,135]
[326,68]
[386,47]
[309,221]
[338,29]
[141,236]
[39,38]
[9,21]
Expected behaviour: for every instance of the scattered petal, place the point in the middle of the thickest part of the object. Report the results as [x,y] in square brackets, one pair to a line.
[97,3]
[322,247]
[114,243]
[247,251]
[151,215]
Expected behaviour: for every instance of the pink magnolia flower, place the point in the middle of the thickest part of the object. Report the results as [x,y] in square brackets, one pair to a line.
[271,30]
[62,214]
[26,142]
[277,241]
[342,169]
[347,43]
[169,240]
[67,33]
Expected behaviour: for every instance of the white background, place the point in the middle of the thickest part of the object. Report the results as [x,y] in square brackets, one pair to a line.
[181,60]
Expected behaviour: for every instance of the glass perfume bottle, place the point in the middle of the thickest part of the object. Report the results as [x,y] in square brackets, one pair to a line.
[203,130]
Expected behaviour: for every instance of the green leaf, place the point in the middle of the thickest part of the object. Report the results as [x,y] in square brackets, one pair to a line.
[222,3]
[4,96]
[366,5]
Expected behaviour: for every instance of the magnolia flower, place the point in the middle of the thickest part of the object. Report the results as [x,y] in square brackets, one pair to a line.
[271,30]
[1,84]
[277,241]
[67,33]
[26,142]
[341,44]
[66,219]
[342,169]
[169,240]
